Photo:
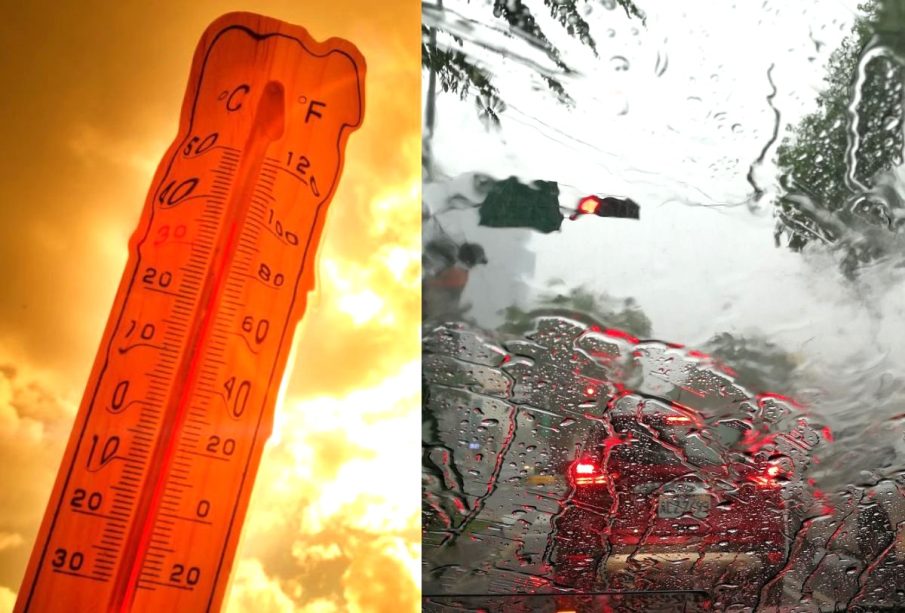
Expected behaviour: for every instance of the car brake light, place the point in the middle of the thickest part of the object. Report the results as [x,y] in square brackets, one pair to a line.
[588,473]
[677,419]
[770,478]
[585,469]
[596,480]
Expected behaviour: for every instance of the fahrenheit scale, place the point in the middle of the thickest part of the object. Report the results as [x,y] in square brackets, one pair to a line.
[154,485]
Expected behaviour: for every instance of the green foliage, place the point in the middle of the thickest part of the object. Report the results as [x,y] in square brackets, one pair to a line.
[821,197]
[584,305]
[566,12]
[520,19]
[459,74]
[456,73]
[760,365]
[631,10]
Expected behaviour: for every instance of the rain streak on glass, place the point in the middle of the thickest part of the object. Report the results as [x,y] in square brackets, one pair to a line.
[662,281]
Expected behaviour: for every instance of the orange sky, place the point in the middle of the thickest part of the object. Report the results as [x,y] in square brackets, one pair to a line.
[91,99]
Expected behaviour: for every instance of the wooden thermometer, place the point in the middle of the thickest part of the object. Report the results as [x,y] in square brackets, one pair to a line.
[150,498]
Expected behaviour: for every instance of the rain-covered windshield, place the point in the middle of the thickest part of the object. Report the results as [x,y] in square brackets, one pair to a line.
[664,304]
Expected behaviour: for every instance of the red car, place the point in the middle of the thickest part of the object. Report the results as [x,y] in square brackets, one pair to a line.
[662,502]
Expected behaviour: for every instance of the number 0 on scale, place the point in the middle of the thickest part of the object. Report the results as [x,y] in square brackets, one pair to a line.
[150,498]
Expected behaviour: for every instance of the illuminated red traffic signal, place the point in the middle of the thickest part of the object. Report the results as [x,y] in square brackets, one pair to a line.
[609,206]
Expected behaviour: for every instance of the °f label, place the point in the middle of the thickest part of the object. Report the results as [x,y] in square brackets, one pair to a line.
[149,501]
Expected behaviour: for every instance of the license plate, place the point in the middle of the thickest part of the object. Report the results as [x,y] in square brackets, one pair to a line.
[675,505]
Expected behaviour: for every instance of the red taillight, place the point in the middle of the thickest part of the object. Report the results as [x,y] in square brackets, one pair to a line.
[770,478]
[588,473]
[584,469]
[676,420]
[596,480]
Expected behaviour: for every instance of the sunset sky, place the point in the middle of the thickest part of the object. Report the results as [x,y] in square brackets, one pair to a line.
[91,94]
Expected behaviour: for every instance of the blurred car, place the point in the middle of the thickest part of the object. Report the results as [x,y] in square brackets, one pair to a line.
[661,502]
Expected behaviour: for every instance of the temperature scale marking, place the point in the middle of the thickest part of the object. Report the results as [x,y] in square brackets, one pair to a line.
[148,504]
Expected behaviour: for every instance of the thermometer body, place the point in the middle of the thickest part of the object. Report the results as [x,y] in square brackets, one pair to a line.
[148,504]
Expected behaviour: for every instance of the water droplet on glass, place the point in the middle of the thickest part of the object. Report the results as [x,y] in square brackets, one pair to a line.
[619,63]
[487,423]
[662,64]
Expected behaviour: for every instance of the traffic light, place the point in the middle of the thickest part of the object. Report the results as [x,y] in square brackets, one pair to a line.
[513,204]
[609,206]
